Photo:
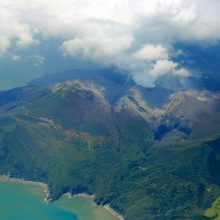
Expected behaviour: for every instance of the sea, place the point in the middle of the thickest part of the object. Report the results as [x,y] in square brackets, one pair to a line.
[20,201]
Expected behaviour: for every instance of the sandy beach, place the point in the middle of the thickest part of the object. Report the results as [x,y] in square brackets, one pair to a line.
[83,195]
[107,207]
[44,186]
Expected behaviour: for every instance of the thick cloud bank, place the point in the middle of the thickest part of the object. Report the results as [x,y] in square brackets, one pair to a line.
[136,36]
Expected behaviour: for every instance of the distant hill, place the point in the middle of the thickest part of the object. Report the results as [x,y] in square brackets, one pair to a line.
[149,153]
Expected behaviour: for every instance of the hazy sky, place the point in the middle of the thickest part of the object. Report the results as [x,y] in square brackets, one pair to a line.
[136,36]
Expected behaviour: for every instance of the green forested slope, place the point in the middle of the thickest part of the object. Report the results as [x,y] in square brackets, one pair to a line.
[146,163]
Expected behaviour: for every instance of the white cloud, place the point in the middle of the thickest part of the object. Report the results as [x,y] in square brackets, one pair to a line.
[162,67]
[14,29]
[158,69]
[97,48]
[182,72]
[135,35]
[151,52]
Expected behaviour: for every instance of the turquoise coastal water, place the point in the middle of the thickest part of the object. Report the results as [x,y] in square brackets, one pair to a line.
[25,202]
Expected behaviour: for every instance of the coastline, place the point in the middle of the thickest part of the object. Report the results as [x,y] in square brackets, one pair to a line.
[82,195]
[44,186]
[106,207]
[47,199]
[116,214]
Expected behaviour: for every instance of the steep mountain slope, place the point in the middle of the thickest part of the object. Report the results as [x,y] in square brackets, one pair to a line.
[195,114]
[146,161]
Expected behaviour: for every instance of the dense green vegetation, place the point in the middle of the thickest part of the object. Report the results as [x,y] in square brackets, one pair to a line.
[214,210]
[72,138]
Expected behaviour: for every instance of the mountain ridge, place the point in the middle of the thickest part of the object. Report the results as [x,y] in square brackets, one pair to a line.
[129,153]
